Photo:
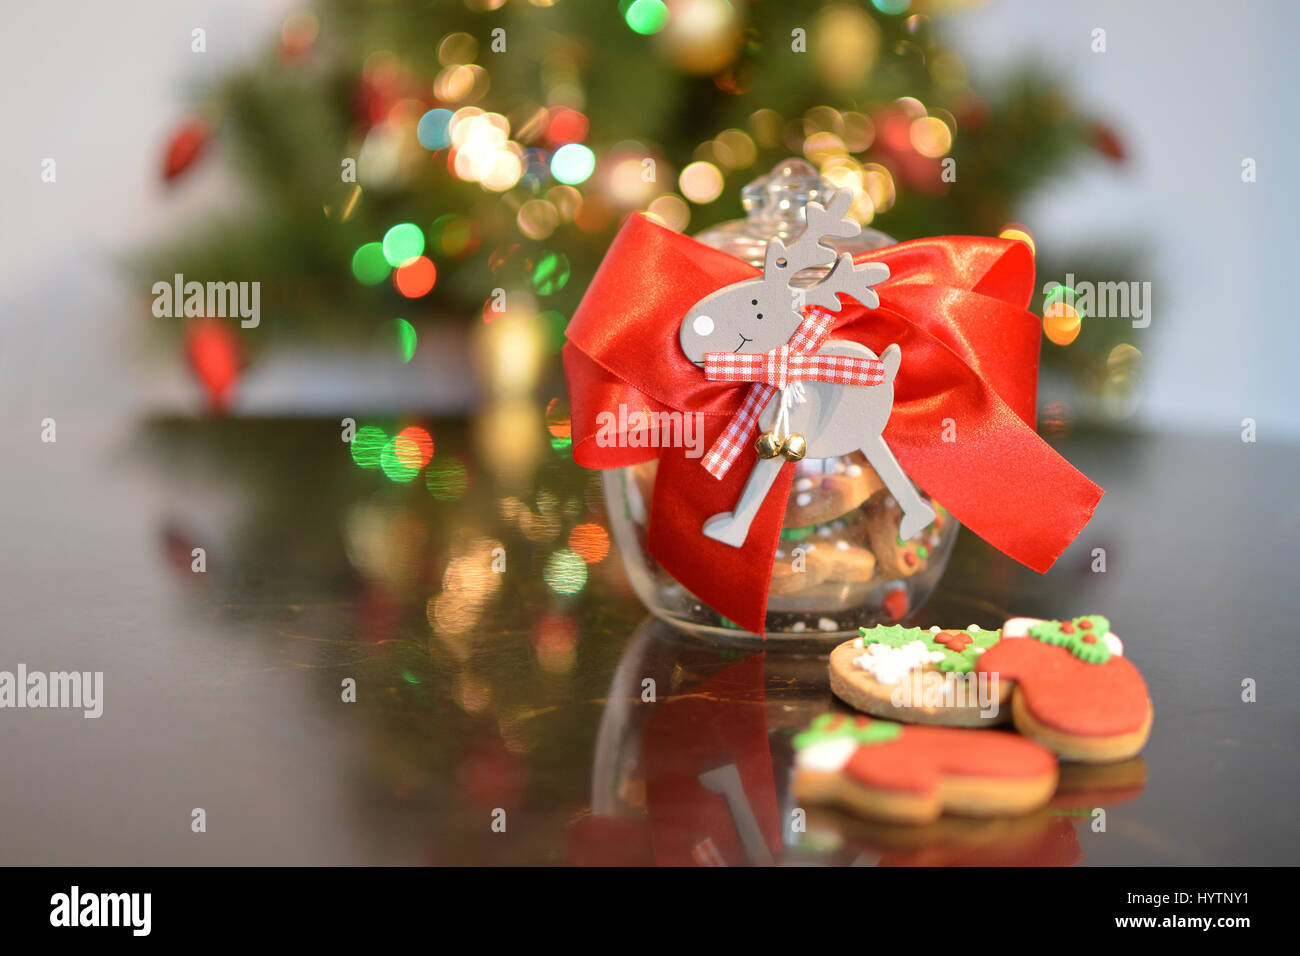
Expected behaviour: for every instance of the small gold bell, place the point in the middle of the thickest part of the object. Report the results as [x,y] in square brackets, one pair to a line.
[768,446]
[794,448]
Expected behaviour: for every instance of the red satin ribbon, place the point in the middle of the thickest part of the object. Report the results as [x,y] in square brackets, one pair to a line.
[956,307]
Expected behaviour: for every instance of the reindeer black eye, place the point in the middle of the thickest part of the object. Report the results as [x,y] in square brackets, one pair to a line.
[753,302]
[760,315]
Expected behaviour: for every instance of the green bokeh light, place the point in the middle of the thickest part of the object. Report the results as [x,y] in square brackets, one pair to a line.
[447,480]
[646,16]
[369,265]
[394,466]
[403,242]
[891,7]
[404,335]
[565,572]
[551,273]
[573,163]
[368,445]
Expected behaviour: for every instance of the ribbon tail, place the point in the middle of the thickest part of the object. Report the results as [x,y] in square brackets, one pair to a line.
[1007,485]
[732,581]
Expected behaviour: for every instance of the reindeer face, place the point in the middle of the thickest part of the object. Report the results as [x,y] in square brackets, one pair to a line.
[750,316]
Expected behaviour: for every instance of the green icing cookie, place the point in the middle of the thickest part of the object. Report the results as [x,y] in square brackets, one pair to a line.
[962,662]
[1074,640]
[835,726]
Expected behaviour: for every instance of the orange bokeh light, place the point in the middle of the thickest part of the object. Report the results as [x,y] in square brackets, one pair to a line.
[590,542]
[415,277]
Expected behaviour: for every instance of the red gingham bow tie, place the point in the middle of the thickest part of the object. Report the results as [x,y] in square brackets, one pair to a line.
[769,371]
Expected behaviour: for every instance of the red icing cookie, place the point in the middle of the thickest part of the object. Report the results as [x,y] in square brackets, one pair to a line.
[922,756]
[1078,708]
[913,774]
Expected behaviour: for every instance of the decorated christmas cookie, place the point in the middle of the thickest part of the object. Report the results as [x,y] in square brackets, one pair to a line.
[899,557]
[886,771]
[1075,692]
[818,498]
[918,676]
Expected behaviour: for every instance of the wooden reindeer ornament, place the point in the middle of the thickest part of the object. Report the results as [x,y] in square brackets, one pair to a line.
[824,398]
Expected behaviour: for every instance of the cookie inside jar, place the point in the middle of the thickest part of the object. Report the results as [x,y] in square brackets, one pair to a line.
[841,563]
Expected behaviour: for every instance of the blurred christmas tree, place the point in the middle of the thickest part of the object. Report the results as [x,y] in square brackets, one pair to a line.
[412,160]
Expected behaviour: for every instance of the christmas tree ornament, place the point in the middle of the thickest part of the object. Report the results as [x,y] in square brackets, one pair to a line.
[185,146]
[215,356]
[871,370]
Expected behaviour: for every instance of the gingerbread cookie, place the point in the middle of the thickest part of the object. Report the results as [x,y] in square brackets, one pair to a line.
[1075,692]
[818,498]
[800,566]
[924,677]
[897,558]
[886,771]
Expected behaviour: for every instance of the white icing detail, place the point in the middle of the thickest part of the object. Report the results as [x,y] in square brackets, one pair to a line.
[1114,644]
[803,500]
[703,325]
[936,629]
[858,643]
[829,756]
[826,624]
[1019,626]
[973,627]
[889,665]
[797,626]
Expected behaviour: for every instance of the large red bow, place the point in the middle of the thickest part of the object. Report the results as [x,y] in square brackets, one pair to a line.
[956,307]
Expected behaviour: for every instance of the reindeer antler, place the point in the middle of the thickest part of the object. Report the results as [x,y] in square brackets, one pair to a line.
[811,249]
[852,280]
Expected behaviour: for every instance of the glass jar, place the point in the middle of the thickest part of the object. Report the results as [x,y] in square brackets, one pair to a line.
[840,563]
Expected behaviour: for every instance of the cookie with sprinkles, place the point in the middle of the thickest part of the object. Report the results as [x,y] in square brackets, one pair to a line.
[1074,691]
[909,774]
[920,676]
[895,557]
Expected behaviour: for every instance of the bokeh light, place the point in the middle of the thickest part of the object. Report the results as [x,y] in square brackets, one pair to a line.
[590,542]
[930,136]
[551,273]
[402,335]
[369,264]
[368,444]
[646,16]
[399,459]
[573,163]
[432,130]
[537,218]
[448,479]
[1014,230]
[403,242]
[559,424]
[414,446]
[565,572]
[671,210]
[416,277]
[1061,323]
[453,236]
[701,182]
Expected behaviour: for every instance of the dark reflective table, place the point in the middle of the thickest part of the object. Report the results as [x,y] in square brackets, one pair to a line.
[370,669]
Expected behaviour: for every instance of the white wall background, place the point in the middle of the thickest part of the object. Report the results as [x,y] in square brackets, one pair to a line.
[1192,87]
